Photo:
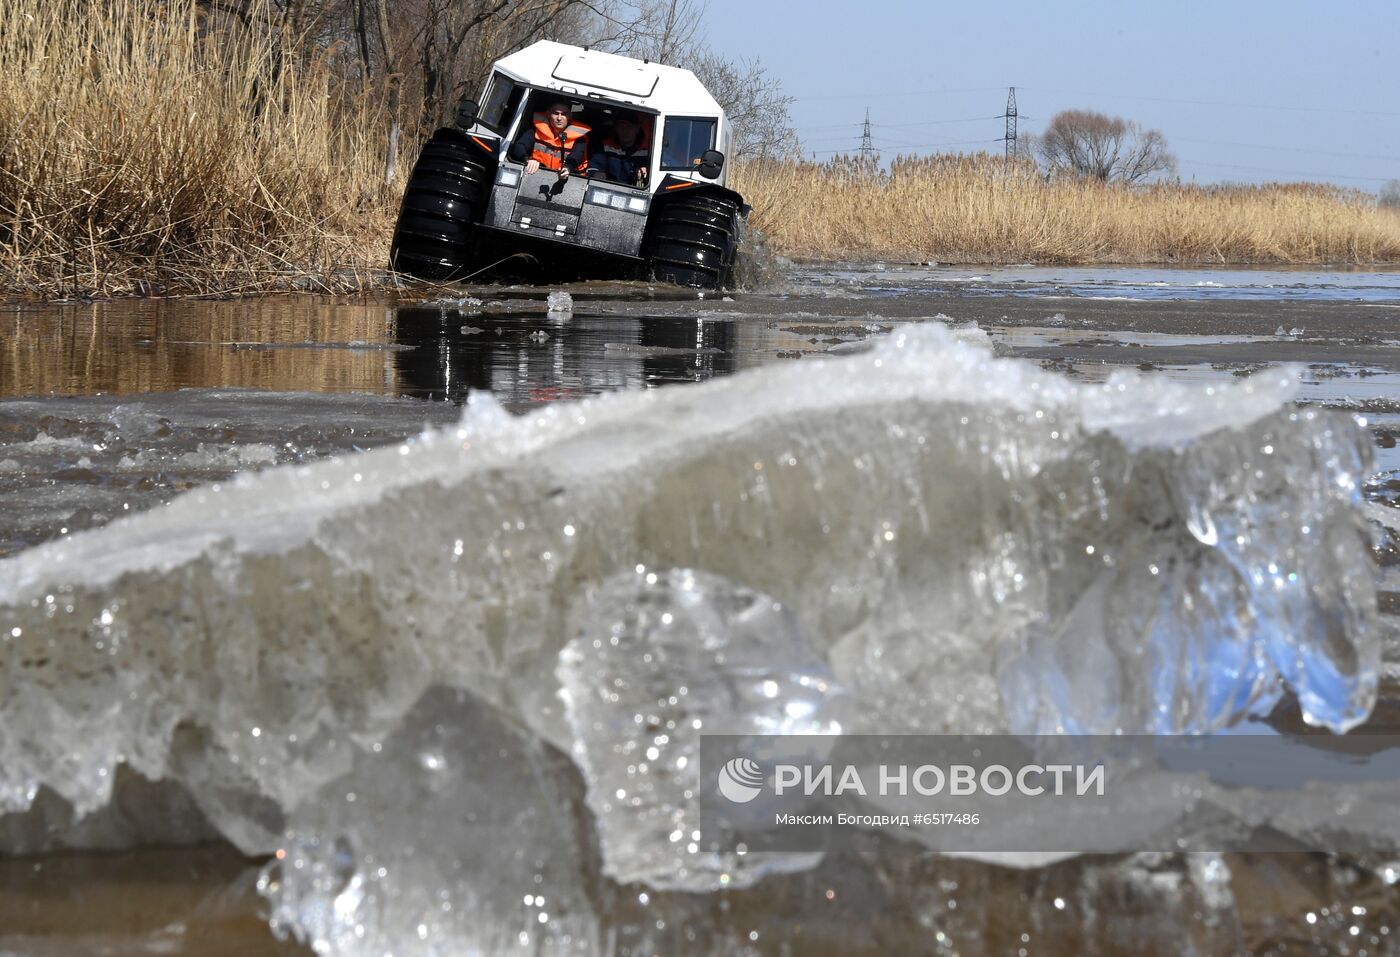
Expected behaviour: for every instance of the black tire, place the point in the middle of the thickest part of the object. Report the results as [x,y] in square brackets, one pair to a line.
[692,241]
[445,198]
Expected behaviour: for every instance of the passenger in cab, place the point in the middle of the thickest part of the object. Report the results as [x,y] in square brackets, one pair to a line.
[625,152]
[555,142]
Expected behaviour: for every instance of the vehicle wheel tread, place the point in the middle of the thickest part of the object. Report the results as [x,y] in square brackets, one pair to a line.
[442,203]
[692,241]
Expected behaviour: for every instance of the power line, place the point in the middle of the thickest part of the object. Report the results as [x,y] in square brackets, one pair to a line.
[1288,149]
[1233,106]
[891,141]
[965,119]
[886,95]
[877,127]
[916,146]
[1287,172]
[902,126]
[871,138]
[929,146]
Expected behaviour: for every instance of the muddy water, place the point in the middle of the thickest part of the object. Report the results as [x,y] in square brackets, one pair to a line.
[106,409]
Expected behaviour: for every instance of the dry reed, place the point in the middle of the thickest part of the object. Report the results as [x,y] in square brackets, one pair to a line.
[974,209]
[144,148]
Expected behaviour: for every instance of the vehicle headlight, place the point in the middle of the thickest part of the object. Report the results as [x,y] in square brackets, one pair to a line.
[508,176]
[607,197]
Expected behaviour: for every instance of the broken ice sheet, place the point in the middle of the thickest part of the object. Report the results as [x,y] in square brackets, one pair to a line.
[936,517]
[662,658]
[462,833]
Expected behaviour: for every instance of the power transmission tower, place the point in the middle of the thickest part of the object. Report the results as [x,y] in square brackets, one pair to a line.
[1010,124]
[867,143]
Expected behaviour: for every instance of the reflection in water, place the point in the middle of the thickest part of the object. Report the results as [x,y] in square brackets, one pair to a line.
[188,900]
[279,343]
[527,359]
[278,381]
[513,348]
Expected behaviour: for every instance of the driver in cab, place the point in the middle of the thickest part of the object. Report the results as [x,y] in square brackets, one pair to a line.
[555,142]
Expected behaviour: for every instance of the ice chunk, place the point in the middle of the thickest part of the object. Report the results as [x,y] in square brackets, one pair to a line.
[662,657]
[969,543]
[466,305]
[459,834]
[561,303]
[1216,598]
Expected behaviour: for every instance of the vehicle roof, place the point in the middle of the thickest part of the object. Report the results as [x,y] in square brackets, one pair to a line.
[580,72]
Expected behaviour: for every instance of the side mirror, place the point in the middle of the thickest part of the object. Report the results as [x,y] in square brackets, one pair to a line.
[467,110]
[711,163]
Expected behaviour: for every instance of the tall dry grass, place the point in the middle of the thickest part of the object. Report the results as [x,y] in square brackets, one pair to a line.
[974,209]
[143,147]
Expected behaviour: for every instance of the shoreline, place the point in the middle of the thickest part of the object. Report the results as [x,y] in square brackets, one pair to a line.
[362,281]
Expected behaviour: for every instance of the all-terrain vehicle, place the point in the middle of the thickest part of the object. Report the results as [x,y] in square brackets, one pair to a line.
[468,203]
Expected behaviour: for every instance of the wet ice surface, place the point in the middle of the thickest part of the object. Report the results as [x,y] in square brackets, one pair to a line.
[368,788]
[1121,284]
[75,462]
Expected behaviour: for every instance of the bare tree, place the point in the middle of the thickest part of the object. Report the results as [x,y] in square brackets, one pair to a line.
[753,100]
[754,103]
[418,57]
[457,40]
[660,30]
[1390,195]
[1107,148]
[452,44]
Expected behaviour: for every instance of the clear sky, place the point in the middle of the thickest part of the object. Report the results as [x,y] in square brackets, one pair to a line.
[1244,90]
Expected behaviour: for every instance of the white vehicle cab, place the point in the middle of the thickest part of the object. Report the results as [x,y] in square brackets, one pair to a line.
[632,170]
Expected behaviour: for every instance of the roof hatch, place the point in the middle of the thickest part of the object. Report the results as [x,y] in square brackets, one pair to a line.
[619,78]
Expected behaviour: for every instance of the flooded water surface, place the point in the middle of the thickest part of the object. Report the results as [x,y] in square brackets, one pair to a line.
[366,621]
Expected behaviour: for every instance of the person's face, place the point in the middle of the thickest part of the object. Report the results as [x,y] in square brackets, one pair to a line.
[559,116]
[626,130]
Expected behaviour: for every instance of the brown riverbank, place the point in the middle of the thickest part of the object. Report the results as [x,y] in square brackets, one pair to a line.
[191,156]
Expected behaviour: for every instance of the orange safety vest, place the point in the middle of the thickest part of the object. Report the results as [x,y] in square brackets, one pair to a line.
[611,144]
[551,151]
